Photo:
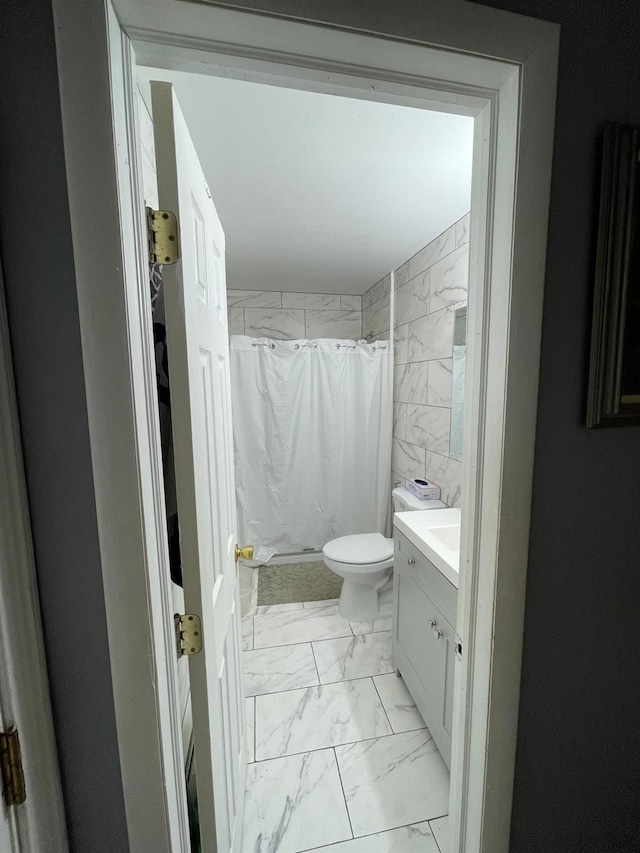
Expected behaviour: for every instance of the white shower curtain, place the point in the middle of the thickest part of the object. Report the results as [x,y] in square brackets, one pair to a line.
[312,440]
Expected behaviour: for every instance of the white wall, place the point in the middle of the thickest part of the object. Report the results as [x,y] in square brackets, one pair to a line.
[348,189]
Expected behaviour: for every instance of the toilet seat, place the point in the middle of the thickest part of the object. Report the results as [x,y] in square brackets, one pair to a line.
[360,550]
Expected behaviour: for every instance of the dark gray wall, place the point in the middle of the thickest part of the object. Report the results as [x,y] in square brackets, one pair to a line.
[576,787]
[577,765]
[41,299]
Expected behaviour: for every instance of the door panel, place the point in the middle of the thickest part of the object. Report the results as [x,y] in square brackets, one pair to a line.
[197,341]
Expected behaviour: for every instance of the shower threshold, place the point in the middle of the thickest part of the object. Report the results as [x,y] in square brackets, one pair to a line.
[295,557]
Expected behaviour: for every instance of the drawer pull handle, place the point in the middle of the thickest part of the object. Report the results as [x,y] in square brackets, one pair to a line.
[432,623]
[411,561]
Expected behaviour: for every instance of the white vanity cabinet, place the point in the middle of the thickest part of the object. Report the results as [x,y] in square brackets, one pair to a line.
[424,613]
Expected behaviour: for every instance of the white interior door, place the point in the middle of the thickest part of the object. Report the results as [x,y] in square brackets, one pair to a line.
[198,352]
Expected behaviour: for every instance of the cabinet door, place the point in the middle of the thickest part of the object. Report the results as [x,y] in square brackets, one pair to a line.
[424,642]
[418,654]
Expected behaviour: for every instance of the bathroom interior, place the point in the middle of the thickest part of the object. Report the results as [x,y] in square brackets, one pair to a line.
[347,235]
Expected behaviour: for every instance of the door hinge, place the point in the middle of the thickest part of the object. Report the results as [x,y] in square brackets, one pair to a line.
[188,634]
[13,786]
[162,233]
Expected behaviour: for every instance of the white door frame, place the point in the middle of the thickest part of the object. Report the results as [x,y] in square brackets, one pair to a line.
[458,57]
[39,823]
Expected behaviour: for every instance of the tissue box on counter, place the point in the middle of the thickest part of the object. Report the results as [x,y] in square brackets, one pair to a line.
[423,489]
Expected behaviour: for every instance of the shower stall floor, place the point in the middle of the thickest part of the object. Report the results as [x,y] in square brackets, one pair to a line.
[293,582]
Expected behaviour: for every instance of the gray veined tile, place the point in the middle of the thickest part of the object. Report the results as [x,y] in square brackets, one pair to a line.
[264,609]
[323,608]
[407,459]
[247,632]
[276,669]
[334,324]
[382,623]
[450,279]
[299,626]
[329,602]
[380,288]
[393,781]
[400,420]
[294,803]
[402,274]
[431,336]
[279,323]
[433,252]
[318,717]
[353,657]
[236,321]
[376,318]
[254,299]
[412,299]
[462,230]
[249,710]
[417,838]
[410,383]
[441,828]
[439,382]
[349,302]
[429,427]
[311,300]
[400,336]
[398,703]
[447,473]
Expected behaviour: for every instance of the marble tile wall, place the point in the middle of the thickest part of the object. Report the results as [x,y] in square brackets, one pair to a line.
[376,310]
[282,315]
[428,289]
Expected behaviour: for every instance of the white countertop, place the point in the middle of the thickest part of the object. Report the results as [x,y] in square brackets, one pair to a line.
[436,534]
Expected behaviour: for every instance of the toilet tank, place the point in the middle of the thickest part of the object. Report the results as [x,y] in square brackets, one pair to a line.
[404,501]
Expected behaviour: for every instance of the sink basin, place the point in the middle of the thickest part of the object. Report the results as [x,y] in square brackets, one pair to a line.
[436,534]
[449,536]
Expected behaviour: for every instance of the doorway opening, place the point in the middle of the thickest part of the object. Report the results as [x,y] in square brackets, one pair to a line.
[347,276]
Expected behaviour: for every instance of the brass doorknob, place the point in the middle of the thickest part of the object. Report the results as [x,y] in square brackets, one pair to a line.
[245,553]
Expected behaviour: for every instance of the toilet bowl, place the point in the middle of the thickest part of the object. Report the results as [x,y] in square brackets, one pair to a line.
[365,561]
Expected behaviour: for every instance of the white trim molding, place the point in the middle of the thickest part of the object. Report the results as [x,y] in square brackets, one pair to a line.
[447,55]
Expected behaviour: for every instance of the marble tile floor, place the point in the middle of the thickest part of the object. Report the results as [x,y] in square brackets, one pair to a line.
[340,760]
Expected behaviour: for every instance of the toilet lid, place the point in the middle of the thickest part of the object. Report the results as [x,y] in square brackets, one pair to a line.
[359,549]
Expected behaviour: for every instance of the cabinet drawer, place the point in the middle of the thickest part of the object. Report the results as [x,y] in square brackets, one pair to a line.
[430,579]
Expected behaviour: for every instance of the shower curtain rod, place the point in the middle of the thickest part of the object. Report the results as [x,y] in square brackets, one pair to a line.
[271,344]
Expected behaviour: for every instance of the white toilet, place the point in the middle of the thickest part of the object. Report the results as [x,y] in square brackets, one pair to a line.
[365,561]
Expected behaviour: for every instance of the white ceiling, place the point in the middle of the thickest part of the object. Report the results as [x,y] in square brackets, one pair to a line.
[318,193]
